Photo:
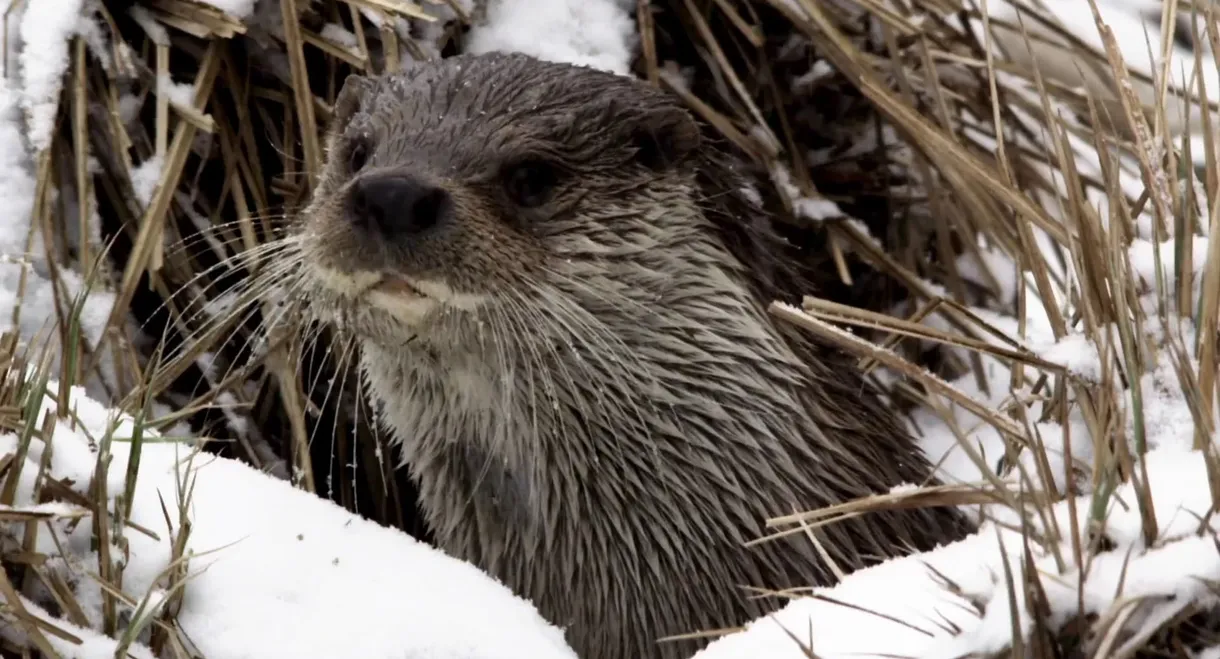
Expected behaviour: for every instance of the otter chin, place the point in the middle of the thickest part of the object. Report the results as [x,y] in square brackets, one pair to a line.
[558,283]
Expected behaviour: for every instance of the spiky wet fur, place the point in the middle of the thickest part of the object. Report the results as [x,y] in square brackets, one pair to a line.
[604,427]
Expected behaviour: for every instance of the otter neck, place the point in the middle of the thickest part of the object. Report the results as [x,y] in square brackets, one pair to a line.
[548,427]
[624,457]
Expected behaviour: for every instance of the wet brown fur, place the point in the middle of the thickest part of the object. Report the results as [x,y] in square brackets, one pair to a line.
[598,410]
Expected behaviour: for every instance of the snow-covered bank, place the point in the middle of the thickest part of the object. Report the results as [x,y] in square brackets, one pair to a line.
[596,33]
[954,601]
[277,572]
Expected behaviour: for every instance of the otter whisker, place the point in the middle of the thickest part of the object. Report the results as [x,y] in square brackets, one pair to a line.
[373,423]
[611,405]
[513,320]
[243,309]
[191,286]
[229,234]
[512,313]
[200,310]
[608,349]
[532,325]
[343,368]
[265,251]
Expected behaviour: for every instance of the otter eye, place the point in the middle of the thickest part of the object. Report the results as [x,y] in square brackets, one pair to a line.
[358,156]
[529,184]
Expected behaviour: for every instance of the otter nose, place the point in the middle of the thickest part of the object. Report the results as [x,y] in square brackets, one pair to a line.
[397,205]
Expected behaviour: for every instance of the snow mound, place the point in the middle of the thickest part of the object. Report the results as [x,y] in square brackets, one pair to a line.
[595,33]
[954,601]
[276,571]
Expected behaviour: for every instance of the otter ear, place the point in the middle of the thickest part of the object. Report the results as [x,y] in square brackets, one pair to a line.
[348,101]
[663,136]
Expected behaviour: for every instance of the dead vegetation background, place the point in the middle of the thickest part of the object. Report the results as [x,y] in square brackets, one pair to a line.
[932,145]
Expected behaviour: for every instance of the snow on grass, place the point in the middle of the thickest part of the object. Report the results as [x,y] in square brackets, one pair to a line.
[181,93]
[43,58]
[145,177]
[810,208]
[596,33]
[275,572]
[93,645]
[16,180]
[954,601]
[236,8]
[340,35]
[1136,27]
[45,30]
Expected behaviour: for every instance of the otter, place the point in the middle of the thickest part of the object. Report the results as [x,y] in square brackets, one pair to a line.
[558,283]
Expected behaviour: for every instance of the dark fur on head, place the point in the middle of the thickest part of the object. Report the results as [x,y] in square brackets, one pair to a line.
[583,379]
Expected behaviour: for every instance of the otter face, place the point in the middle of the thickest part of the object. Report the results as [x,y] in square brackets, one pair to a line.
[475,182]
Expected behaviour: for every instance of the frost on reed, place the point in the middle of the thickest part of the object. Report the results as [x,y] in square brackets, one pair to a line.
[1021,255]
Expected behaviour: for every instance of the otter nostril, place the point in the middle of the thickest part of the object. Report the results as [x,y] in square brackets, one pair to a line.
[397,205]
[428,209]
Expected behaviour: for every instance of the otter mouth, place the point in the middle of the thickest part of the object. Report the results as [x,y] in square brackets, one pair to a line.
[374,291]
[361,284]
[377,296]
[392,284]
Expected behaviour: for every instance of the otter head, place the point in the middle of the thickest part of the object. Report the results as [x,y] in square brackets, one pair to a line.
[467,190]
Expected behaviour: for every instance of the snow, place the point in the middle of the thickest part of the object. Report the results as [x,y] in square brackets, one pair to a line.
[45,29]
[156,31]
[235,8]
[22,135]
[308,572]
[596,33]
[954,599]
[92,646]
[340,35]
[145,177]
[1077,353]
[1144,255]
[1137,31]
[810,208]
[181,93]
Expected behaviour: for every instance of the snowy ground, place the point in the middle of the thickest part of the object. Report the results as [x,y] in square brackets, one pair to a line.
[278,572]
